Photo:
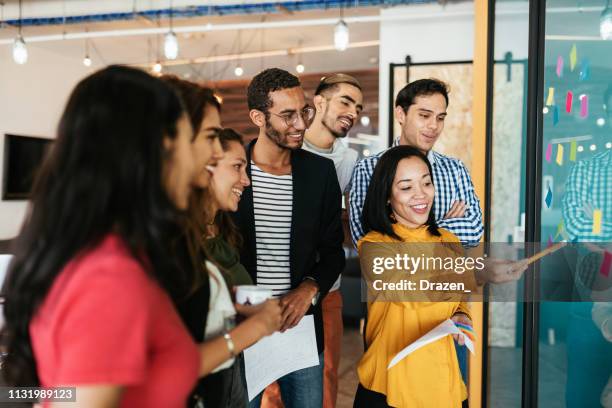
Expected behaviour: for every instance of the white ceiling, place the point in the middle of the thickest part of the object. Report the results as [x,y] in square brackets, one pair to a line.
[144,49]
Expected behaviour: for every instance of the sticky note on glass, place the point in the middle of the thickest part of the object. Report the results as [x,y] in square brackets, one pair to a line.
[555,115]
[606,264]
[585,70]
[568,101]
[573,149]
[549,197]
[559,229]
[559,158]
[573,57]
[550,241]
[559,66]
[597,221]
[584,106]
[549,153]
[550,100]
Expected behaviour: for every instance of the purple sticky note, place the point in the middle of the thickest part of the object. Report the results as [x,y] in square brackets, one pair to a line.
[568,101]
[549,197]
[549,152]
[559,66]
[606,264]
[555,115]
[584,106]
[550,241]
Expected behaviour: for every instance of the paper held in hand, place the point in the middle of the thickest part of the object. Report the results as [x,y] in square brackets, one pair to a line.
[280,354]
[445,328]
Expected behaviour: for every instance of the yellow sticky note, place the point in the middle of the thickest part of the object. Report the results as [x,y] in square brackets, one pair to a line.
[596,221]
[559,159]
[573,149]
[573,57]
[550,101]
[559,229]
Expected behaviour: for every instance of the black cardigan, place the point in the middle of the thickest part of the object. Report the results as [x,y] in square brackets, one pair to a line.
[316,227]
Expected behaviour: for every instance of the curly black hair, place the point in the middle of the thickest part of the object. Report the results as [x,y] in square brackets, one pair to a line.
[269,80]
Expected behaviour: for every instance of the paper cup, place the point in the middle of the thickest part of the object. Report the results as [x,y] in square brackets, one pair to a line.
[252,294]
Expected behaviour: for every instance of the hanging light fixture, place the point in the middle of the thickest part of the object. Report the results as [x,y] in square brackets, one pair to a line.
[157,68]
[605,22]
[341,33]
[20,51]
[171,46]
[87,59]
[299,68]
[238,71]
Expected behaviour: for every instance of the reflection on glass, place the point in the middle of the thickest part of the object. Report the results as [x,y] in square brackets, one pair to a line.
[575,361]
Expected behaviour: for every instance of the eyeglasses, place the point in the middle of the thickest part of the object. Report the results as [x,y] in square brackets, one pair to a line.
[307,114]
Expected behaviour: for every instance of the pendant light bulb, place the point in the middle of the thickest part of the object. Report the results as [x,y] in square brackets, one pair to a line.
[171,46]
[341,36]
[20,51]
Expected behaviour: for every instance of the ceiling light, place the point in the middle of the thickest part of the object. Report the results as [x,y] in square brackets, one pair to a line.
[601,122]
[341,36]
[238,71]
[605,22]
[365,120]
[300,68]
[593,147]
[157,68]
[20,51]
[171,45]
[87,61]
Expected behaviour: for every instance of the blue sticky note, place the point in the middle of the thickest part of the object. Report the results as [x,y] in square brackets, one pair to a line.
[549,197]
[585,70]
[555,115]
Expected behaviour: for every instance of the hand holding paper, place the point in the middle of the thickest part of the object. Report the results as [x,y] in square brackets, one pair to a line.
[447,327]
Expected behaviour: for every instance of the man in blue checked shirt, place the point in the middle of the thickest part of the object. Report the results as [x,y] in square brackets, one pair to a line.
[420,109]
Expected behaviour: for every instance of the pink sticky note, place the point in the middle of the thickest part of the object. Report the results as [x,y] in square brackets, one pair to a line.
[584,106]
[568,101]
[606,264]
[560,66]
[549,152]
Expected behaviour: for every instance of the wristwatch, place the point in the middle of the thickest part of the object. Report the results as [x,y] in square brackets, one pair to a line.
[315,298]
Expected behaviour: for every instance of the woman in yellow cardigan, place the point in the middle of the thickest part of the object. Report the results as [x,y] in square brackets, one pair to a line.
[398,208]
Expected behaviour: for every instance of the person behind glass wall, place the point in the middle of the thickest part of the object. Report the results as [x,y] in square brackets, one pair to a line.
[87,300]
[399,208]
[588,188]
[207,308]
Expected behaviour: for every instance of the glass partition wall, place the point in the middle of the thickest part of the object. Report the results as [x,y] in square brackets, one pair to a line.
[551,181]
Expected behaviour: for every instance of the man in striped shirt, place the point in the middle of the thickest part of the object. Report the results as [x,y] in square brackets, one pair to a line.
[290,218]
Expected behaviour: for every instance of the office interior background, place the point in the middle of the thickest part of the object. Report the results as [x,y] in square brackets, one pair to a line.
[531,86]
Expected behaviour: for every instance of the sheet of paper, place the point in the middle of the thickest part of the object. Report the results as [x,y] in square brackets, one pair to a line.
[445,328]
[569,98]
[584,106]
[559,66]
[573,57]
[549,153]
[280,354]
[573,150]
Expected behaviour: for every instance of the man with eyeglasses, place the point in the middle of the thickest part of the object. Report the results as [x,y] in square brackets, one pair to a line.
[338,101]
[290,219]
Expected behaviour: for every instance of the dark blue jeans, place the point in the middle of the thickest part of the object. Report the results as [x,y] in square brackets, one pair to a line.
[300,389]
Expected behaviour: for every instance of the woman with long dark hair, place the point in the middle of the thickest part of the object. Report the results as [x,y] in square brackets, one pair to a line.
[86,293]
[399,208]
[207,309]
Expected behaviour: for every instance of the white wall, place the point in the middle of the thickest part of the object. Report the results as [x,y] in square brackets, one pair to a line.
[432,32]
[32,97]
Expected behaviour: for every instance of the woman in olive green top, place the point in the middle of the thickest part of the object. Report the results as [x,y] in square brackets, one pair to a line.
[228,181]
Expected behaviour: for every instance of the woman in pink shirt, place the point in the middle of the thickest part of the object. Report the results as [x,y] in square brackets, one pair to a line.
[87,300]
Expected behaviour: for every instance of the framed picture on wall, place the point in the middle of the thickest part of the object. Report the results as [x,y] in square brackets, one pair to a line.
[23,156]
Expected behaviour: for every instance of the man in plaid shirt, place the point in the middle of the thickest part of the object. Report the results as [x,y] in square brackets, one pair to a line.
[420,109]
